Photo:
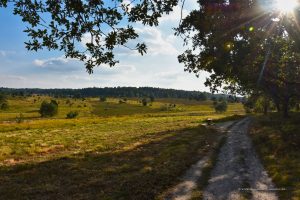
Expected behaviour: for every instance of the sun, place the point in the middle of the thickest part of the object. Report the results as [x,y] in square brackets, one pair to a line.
[286,6]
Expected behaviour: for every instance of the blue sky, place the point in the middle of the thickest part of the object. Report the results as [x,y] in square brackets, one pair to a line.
[20,68]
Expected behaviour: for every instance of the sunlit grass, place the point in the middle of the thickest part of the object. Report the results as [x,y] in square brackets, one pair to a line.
[90,107]
[110,151]
[96,129]
[27,140]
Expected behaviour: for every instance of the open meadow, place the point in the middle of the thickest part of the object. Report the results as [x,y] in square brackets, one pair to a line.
[112,150]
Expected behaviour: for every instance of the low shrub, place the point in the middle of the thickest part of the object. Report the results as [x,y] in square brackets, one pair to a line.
[169,107]
[102,99]
[4,106]
[144,102]
[20,118]
[72,115]
[121,101]
[48,109]
[221,107]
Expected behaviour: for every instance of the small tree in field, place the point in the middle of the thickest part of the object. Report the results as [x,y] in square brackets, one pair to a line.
[102,99]
[3,102]
[48,109]
[152,98]
[72,115]
[221,107]
[20,118]
[4,106]
[54,102]
[249,105]
[144,102]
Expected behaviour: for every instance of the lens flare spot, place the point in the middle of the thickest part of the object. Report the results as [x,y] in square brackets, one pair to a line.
[228,46]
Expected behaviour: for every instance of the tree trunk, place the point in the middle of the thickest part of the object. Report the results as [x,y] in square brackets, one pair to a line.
[285,107]
[277,103]
[278,107]
[266,106]
[285,112]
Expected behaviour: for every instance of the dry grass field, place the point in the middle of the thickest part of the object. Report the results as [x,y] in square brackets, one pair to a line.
[111,150]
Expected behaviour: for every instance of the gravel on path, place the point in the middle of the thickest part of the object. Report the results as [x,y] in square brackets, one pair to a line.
[238,173]
[183,190]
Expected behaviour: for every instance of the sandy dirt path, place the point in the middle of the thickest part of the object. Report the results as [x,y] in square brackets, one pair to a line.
[183,191]
[238,173]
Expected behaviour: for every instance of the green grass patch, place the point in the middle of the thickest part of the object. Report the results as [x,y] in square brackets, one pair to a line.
[138,169]
[90,107]
[111,150]
[277,141]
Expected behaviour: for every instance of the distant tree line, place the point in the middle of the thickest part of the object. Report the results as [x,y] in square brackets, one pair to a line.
[129,92]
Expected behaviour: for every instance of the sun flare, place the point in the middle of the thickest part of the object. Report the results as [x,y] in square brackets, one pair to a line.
[287,6]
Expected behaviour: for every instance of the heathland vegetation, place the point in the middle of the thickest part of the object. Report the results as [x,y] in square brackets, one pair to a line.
[61,140]
[120,145]
[277,141]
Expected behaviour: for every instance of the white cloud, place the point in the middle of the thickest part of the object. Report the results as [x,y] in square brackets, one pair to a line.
[167,75]
[13,81]
[124,51]
[13,77]
[39,63]
[174,16]
[158,44]
[59,64]
[87,38]
[51,61]
[5,53]
[128,3]
[116,70]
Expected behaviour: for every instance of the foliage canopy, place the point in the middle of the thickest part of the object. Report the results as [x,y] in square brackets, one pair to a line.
[48,109]
[62,25]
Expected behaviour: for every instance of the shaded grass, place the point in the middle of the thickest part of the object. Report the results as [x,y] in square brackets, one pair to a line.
[206,171]
[229,118]
[137,171]
[277,141]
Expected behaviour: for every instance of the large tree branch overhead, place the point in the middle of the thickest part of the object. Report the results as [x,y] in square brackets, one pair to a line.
[62,25]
